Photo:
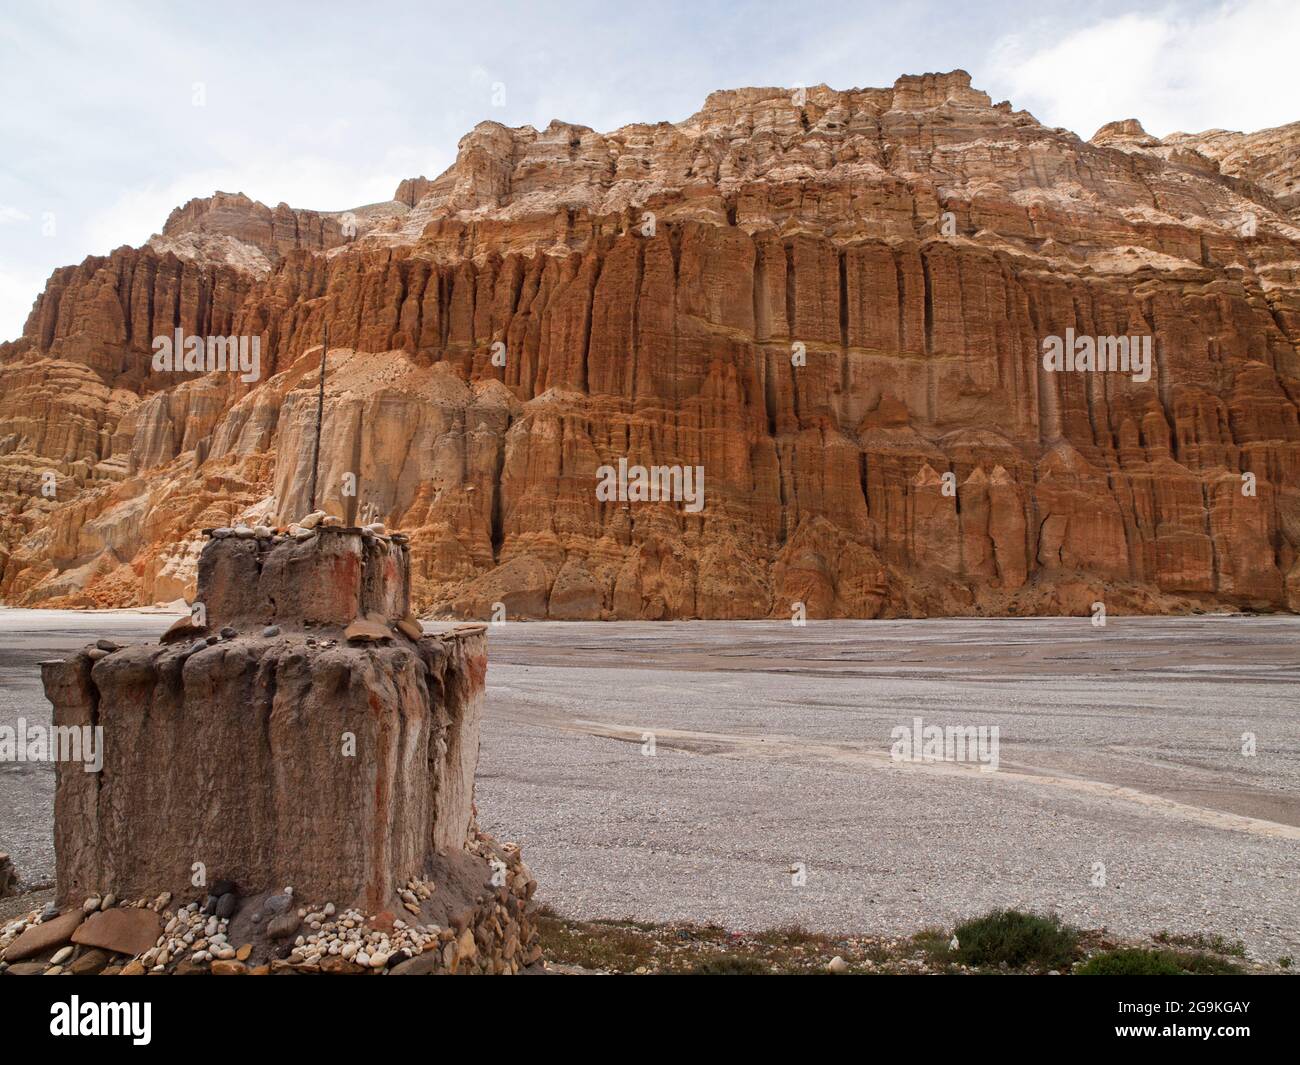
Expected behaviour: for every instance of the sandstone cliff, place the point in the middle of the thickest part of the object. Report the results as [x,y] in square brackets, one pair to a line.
[646,290]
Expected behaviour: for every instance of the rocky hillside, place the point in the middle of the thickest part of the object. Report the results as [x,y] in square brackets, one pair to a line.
[833,302]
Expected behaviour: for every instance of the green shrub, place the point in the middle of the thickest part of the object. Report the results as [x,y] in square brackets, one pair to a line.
[1018,939]
[1134,961]
[1207,965]
[1131,962]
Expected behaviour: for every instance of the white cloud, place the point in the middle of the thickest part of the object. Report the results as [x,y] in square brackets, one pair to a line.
[18,291]
[331,112]
[1231,67]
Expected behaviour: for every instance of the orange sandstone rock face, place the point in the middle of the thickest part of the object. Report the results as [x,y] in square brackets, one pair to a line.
[834,303]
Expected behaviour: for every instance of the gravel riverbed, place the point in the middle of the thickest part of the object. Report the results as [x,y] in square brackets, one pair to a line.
[1122,796]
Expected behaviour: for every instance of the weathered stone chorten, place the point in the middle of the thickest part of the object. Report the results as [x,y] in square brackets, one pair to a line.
[298,729]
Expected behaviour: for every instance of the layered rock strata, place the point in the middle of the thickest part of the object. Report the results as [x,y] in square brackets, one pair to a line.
[833,302]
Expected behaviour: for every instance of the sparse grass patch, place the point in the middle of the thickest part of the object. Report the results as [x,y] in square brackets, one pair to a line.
[1016,939]
[731,965]
[1139,961]
[638,926]
[627,946]
[1202,941]
[593,946]
[792,936]
[876,953]
[1002,941]
[933,943]
[1199,964]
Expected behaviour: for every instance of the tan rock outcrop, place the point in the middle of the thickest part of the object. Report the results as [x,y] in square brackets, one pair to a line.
[828,300]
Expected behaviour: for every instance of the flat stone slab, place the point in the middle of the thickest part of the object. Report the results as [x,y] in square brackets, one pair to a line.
[422,964]
[90,963]
[123,931]
[363,630]
[46,936]
[183,629]
[26,968]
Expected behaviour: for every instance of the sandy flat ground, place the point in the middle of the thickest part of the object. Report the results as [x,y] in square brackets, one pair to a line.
[1120,746]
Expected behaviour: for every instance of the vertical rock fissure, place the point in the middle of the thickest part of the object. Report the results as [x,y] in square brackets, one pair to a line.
[398,303]
[636,321]
[844,303]
[789,292]
[928,303]
[900,282]
[149,301]
[352,502]
[589,311]
[446,286]
[415,340]
[498,531]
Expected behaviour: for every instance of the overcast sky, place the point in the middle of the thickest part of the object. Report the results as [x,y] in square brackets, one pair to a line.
[113,114]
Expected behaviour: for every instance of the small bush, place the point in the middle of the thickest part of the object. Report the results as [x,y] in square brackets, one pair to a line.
[1134,961]
[1018,939]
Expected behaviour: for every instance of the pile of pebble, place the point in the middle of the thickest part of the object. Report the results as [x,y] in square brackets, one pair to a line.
[198,941]
[190,931]
[345,935]
[494,935]
[415,892]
